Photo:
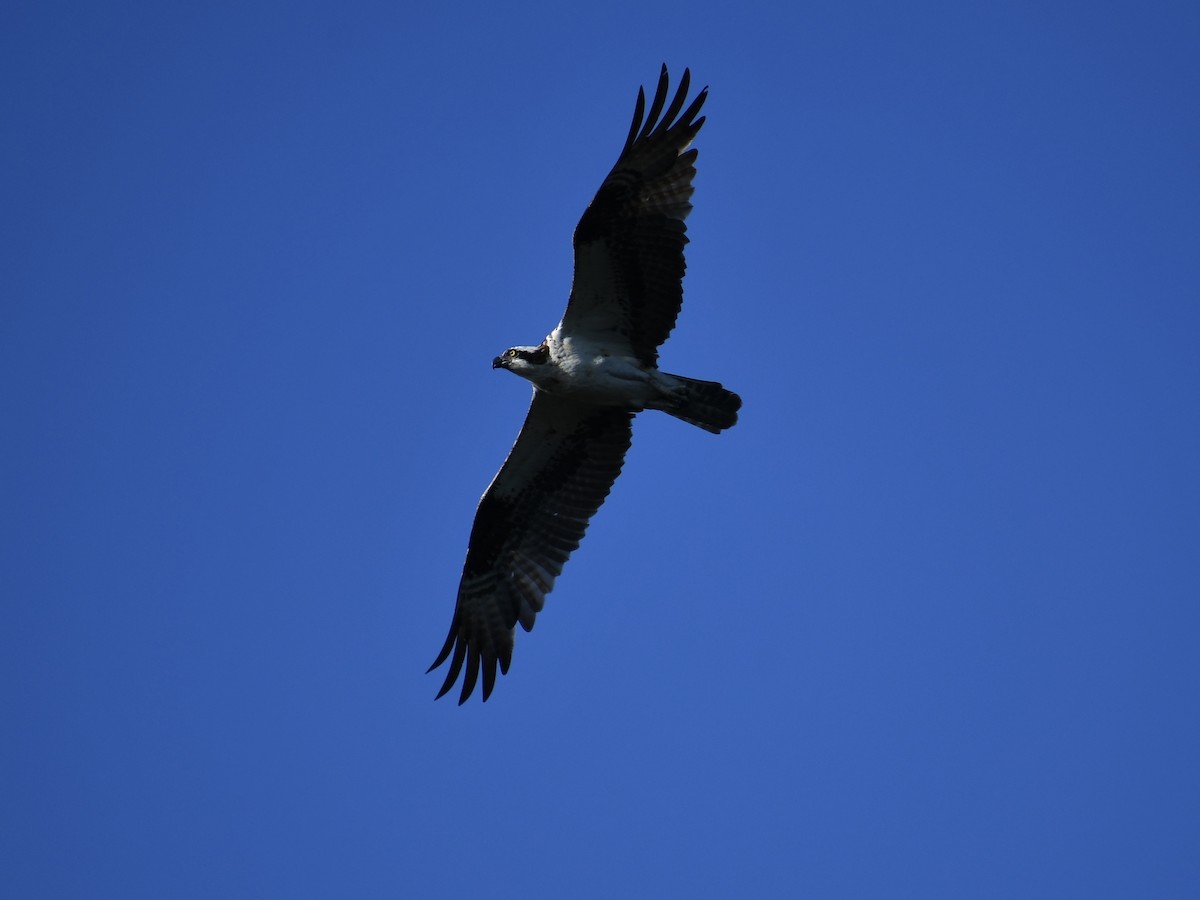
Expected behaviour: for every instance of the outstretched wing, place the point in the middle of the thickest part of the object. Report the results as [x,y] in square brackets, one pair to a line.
[629,244]
[531,517]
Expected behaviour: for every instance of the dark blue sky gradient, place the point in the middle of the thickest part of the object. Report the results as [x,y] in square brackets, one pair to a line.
[923,625]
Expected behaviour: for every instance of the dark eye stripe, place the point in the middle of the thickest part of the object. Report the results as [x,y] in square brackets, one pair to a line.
[538,356]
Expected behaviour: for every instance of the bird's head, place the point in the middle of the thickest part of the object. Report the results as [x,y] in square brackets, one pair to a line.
[523,361]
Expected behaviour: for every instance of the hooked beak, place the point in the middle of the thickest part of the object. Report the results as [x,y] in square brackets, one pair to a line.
[498,362]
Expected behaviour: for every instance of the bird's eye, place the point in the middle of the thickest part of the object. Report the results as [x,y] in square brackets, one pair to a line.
[511,353]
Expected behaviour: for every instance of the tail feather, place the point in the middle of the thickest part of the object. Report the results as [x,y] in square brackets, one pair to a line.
[705,404]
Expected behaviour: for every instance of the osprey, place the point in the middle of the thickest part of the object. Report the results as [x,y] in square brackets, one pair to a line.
[591,375]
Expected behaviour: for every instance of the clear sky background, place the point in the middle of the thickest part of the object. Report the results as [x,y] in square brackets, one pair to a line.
[924,624]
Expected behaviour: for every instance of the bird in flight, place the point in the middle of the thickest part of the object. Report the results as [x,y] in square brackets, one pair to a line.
[591,375]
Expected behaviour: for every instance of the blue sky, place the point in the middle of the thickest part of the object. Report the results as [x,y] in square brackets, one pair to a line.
[924,624]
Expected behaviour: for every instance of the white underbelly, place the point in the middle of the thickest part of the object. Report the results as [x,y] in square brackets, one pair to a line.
[594,374]
[606,380]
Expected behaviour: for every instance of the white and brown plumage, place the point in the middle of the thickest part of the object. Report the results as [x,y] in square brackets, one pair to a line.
[590,376]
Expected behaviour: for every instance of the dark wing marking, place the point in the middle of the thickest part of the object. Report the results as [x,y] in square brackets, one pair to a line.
[531,517]
[629,244]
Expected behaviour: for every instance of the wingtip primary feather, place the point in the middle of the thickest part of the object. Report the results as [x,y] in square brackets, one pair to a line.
[660,97]
[677,103]
[469,679]
[639,110]
[489,677]
[446,647]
